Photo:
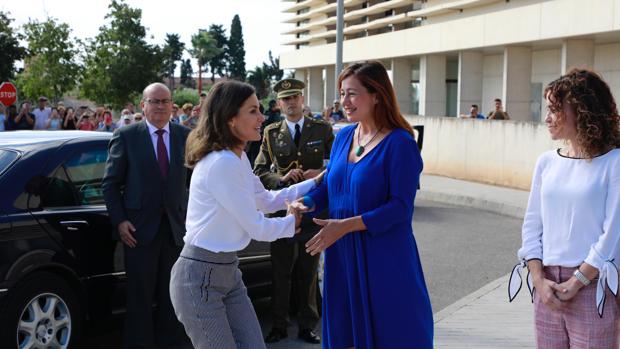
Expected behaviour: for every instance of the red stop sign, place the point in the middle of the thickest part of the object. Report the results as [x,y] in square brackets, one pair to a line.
[8,93]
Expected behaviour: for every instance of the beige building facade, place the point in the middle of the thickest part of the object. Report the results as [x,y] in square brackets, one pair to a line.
[444,55]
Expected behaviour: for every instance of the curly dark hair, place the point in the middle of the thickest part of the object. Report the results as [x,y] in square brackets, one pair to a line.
[597,120]
[212,132]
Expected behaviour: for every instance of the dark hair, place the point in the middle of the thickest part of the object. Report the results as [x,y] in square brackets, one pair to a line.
[597,121]
[261,109]
[497,100]
[474,106]
[373,76]
[212,132]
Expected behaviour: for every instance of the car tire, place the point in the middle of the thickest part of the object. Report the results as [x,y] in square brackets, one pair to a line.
[42,309]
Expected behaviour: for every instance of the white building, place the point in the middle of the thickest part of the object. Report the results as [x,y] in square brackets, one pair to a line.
[444,55]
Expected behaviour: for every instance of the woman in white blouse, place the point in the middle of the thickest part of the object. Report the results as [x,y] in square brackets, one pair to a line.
[571,230]
[225,211]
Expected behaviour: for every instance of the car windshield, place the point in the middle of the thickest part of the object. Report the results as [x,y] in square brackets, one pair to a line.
[7,157]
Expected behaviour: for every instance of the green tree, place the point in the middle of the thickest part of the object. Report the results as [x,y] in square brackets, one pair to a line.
[260,80]
[204,48]
[217,64]
[51,67]
[186,74]
[236,50]
[172,53]
[273,68]
[10,50]
[119,62]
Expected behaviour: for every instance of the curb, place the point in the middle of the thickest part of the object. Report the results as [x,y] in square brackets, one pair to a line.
[470,201]
[470,298]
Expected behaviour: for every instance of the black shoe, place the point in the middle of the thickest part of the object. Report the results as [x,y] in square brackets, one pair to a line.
[309,336]
[276,335]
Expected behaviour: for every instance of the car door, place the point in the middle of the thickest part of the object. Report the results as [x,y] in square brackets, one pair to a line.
[74,212]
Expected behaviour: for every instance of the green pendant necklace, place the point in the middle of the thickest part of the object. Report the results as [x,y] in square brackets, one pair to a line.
[361,148]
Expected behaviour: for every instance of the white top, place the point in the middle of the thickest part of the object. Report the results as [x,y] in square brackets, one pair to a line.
[573,213]
[41,117]
[154,137]
[291,125]
[225,200]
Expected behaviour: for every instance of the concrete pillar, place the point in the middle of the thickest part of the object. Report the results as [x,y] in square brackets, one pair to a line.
[469,82]
[330,86]
[401,79]
[433,85]
[314,98]
[517,82]
[577,54]
[302,75]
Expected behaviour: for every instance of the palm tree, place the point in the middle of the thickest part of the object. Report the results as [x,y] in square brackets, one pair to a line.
[204,48]
[260,80]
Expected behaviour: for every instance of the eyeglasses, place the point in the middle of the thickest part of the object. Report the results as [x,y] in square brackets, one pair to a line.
[158,101]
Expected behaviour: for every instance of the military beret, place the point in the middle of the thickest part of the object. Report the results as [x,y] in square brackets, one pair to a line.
[288,87]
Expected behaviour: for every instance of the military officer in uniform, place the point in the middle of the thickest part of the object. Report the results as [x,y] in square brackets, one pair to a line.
[293,149]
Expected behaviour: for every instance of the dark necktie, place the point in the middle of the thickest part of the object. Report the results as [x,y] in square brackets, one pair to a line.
[297,136]
[162,153]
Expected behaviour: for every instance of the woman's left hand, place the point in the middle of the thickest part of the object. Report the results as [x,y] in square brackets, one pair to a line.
[333,229]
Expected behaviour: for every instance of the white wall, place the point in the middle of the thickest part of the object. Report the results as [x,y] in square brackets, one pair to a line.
[489,151]
[492,77]
[546,66]
[607,63]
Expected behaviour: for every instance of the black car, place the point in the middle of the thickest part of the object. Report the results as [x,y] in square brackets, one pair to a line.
[61,270]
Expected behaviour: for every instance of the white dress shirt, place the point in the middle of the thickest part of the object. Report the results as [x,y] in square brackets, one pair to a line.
[291,126]
[573,213]
[154,137]
[40,117]
[225,204]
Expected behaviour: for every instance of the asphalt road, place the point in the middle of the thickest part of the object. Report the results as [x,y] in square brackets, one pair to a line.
[462,249]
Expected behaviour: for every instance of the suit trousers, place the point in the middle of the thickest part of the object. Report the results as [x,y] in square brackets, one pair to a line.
[285,255]
[148,278]
[211,301]
[578,325]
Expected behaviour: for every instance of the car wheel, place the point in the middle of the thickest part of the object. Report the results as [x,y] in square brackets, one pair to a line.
[42,312]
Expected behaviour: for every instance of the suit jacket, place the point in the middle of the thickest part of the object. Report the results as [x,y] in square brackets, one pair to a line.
[278,154]
[134,188]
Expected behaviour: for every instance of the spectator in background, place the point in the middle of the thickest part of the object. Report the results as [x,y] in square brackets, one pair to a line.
[192,121]
[337,114]
[3,118]
[125,121]
[87,122]
[54,122]
[137,117]
[187,111]
[473,113]
[11,113]
[107,125]
[203,97]
[70,121]
[498,113]
[130,107]
[41,114]
[272,113]
[174,117]
[307,112]
[24,120]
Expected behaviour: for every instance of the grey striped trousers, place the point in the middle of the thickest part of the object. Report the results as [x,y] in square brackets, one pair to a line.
[211,301]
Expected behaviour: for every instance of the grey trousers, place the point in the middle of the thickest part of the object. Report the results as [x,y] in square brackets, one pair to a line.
[211,301]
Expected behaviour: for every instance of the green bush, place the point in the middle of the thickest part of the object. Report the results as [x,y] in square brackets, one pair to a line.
[185,95]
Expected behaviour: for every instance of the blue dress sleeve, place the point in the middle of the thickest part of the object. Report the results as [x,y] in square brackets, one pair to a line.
[404,165]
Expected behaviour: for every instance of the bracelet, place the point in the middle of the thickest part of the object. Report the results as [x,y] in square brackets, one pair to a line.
[582,278]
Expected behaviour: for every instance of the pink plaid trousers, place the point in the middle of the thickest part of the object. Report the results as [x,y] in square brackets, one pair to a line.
[577,326]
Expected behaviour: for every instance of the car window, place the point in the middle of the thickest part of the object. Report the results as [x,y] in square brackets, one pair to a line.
[85,169]
[6,159]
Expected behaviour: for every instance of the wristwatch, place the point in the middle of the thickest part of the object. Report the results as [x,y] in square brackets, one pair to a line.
[582,278]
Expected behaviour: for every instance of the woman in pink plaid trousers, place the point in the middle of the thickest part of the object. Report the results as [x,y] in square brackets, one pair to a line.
[571,229]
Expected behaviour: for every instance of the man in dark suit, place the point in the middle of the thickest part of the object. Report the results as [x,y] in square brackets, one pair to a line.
[293,149]
[145,189]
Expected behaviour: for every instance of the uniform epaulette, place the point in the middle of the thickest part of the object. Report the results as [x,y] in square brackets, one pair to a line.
[271,126]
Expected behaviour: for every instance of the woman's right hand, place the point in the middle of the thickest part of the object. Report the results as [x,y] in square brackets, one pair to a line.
[546,290]
[297,209]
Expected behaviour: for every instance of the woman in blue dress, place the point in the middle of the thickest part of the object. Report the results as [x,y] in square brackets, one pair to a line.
[374,292]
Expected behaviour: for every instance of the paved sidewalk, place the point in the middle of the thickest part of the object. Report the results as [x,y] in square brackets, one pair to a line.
[485,318]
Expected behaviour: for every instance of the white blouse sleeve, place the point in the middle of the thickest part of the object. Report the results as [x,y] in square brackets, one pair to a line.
[531,232]
[269,201]
[230,189]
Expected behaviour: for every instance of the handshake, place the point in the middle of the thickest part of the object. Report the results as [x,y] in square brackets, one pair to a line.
[298,208]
